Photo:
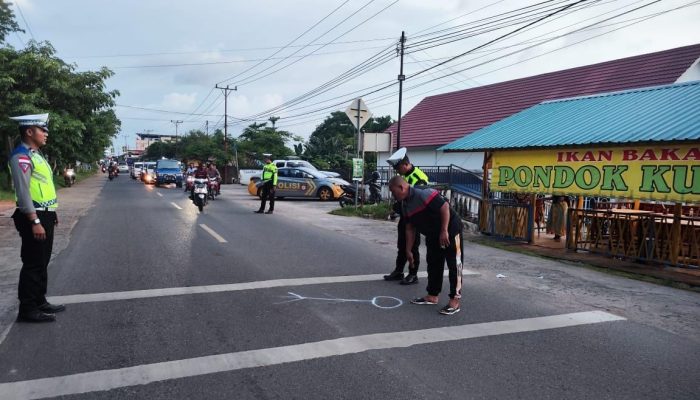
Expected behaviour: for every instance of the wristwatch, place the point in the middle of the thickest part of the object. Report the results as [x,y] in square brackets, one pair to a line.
[36,221]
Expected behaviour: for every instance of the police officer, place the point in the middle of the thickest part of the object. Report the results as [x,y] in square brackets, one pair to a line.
[35,218]
[269,183]
[414,176]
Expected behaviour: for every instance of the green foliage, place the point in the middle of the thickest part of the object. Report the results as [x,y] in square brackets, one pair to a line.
[34,80]
[7,21]
[332,144]
[258,139]
[374,211]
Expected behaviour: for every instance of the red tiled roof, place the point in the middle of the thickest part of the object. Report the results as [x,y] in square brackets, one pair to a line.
[440,119]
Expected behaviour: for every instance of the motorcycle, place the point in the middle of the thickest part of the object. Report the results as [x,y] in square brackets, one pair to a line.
[104,169]
[214,188]
[69,177]
[201,189]
[375,192]
[112,174]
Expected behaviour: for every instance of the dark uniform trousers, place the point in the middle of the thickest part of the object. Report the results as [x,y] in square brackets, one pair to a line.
[436,258]
[268,192]
[36,255]
[401,250]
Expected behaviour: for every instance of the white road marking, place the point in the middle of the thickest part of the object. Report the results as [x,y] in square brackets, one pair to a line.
[231,287]
[159,194]
[213,233]
[175,205]
[157,372]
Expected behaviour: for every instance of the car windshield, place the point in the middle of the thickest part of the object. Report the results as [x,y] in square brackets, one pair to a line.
[169,164]
[138,165]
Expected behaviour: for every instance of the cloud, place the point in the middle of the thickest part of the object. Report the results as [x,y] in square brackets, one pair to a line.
[178,101]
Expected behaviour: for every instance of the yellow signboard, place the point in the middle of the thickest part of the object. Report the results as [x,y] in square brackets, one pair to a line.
[664,173]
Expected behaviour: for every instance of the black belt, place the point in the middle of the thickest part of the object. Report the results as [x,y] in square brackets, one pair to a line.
[46,209]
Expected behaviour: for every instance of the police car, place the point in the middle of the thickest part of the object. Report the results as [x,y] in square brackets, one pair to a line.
[302,182]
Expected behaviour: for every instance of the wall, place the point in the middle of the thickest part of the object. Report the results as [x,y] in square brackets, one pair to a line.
[427,157]
[692,74]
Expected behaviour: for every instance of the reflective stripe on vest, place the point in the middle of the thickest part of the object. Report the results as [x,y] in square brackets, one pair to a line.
[416,176]
[41,187]
[270,172]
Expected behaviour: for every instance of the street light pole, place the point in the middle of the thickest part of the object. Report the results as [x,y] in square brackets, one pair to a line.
[402,77]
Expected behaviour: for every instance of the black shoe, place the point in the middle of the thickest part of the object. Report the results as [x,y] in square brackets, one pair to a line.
[410,279]
[35,316]
[268,212]
[258,212]
[49,308]
[394,276]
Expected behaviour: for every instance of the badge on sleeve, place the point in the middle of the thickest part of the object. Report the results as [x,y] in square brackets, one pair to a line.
[24,163]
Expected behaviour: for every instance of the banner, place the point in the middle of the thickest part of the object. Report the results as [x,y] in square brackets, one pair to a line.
[663,173]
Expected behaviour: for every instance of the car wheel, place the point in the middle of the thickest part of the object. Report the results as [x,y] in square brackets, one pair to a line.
[325,194]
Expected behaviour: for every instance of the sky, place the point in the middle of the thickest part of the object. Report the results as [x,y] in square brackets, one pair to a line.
[168,56]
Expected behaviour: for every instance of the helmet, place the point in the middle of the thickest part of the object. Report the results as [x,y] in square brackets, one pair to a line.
[376,176]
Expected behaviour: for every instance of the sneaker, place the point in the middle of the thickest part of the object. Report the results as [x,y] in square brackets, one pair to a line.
[423,301]
[447,310]
[410,279]
[394,276]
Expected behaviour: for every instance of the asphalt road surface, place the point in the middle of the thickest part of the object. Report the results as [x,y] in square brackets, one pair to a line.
[167,303]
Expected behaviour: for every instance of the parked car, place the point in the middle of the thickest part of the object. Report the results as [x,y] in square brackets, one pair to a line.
[168,171]
[302,182]
[136,170]
[289,164]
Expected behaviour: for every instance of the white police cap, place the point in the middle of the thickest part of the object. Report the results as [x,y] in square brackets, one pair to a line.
[398,157]
[40,120]
[267,156]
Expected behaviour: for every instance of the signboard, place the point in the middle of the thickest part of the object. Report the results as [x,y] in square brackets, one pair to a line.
[663,173]
[358,106]
[377,142]
[357,168]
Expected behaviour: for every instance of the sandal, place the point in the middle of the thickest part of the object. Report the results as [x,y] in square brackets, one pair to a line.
[422,301]
[447,310]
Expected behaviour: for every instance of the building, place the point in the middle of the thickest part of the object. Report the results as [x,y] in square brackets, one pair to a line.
[143,140]
[441,119]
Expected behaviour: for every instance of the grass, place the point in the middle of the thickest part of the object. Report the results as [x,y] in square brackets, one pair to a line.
[375,211]
[7,195]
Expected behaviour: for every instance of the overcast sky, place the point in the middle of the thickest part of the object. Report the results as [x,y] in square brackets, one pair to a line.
[146,43]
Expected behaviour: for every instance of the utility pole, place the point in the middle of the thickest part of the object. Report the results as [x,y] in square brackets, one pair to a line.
[207,125]
[226,91]
[177,123]
[273,120]
[402,77]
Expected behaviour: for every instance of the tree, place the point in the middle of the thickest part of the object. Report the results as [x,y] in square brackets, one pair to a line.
[258,139]
[332,144]
[34,80]
[7,21]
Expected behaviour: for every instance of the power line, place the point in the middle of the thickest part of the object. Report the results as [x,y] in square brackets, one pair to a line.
[25,20]
[165,53]
[242,61]
[293,40]
[249,80]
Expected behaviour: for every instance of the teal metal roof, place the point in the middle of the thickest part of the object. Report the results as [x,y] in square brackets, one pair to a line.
[658,113]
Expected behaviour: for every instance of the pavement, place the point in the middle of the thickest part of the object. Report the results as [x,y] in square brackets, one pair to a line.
[671,309]
[166,302]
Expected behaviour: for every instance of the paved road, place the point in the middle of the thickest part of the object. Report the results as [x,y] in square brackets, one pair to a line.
[168,303]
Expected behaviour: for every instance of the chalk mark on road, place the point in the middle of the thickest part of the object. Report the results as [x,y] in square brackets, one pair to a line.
[159,194]
[375,301]
[176,206]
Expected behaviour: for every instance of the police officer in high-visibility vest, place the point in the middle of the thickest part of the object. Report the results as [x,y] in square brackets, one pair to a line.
[269,183]
[35,218]
[414,176]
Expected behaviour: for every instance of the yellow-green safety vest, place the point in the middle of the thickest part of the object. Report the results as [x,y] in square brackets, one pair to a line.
[41,186]
[270,173]
[417,177]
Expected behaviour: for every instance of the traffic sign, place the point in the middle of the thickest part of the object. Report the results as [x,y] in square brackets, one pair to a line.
[355,109]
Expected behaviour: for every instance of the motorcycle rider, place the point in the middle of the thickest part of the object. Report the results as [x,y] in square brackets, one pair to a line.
[199,173]
[213,173]
[414,176]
